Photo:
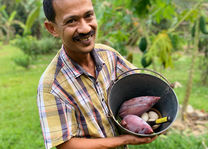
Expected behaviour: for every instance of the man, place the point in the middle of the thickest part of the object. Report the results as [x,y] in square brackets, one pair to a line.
[72,92]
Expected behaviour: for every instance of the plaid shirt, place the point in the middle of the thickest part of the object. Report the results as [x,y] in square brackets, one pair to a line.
[72,103]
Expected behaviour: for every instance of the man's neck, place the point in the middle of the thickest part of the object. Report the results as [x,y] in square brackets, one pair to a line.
[85,61]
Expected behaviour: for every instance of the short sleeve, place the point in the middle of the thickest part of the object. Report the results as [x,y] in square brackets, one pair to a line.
[57,119]
[122,65]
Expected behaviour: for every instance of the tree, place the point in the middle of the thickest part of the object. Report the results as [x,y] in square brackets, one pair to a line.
[196,33]
[6,23]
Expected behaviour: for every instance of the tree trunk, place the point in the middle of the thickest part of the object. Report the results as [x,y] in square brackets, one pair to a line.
[191,73]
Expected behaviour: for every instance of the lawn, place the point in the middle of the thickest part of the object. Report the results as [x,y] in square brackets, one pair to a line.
[20,126]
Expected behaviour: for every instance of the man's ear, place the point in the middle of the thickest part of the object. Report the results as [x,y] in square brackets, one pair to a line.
[51,28]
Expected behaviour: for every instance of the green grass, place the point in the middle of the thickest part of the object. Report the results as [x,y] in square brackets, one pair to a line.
[175,141]
[19,120]
[20,126]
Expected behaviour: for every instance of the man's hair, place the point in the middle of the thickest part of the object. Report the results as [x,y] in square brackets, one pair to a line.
[49,10]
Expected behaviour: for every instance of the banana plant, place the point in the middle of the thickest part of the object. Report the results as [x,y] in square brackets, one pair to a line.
[34,14]
[8,20]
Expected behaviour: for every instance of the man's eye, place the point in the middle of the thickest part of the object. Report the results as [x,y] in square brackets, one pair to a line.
[70,21]
[89,15]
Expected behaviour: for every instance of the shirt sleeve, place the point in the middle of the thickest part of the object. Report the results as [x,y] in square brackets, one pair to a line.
[123,65]
[57,119]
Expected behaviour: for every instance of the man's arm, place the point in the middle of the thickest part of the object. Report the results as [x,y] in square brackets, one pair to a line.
[104,143]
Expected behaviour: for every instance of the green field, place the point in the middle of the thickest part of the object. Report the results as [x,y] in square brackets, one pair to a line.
[20,126]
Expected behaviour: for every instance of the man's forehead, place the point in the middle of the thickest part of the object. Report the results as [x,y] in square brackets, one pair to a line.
[62,3]
[72,6]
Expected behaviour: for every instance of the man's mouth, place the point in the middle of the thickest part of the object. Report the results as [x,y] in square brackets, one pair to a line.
[84,37]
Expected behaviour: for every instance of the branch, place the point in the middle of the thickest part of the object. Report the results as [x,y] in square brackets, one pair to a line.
[187,15]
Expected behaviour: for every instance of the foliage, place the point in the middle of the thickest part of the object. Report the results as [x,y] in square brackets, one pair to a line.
[6,23]
[48,45]
[162,27]
[23,60]
[146,61]
[34,14]
[129,57]
[140,7]
[114,30]
[28,45]
[15,18]
[203,48]
[177,41]
[32,47]
[161,48]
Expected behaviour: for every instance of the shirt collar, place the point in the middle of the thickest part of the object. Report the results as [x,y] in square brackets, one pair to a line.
[75,69]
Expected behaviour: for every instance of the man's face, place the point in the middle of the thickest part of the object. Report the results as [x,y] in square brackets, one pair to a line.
[76,25]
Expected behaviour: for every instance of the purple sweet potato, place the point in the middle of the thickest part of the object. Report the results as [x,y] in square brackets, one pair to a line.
[136,124]
[137,105]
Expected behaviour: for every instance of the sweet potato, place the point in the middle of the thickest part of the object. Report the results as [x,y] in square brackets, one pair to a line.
[137,105]
[136,124]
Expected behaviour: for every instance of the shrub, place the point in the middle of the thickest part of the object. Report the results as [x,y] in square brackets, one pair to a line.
[23,61]
[47,45]
[33,47]
[27,45]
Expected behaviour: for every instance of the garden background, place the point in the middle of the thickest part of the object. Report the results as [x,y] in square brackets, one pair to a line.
[168,36]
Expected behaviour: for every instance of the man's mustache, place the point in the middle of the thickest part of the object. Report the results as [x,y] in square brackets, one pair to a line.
[81,35]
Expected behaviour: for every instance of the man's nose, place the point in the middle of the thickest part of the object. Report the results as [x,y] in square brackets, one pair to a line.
[84,27]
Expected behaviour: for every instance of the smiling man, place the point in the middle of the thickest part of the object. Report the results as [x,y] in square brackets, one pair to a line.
[72,92]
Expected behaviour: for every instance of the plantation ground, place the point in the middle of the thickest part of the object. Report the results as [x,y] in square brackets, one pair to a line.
[20,127]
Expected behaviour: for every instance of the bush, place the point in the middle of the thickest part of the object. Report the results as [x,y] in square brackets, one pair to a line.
[33,47]
[23,61]
[47,45]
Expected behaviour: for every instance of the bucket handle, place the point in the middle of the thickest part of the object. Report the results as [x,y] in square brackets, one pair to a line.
[146,70]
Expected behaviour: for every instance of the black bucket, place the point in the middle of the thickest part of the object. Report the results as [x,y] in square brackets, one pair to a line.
[143,84]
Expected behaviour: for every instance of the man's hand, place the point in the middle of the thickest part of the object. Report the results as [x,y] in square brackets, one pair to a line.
[134,140]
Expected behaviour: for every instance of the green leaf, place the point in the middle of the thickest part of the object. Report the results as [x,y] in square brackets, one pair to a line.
[31,19]
[161,48]
[22,25]
[12,16]
[18,1]
[5,14]
[2,8]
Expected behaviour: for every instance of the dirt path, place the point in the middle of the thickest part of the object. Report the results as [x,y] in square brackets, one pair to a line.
[196,122]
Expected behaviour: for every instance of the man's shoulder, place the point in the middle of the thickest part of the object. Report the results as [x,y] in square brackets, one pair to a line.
[48,76]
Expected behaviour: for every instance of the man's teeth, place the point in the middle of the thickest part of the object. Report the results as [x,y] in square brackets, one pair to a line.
[86,38]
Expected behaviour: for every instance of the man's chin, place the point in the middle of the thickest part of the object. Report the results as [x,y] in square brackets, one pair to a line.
[86,48]
[86,44]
